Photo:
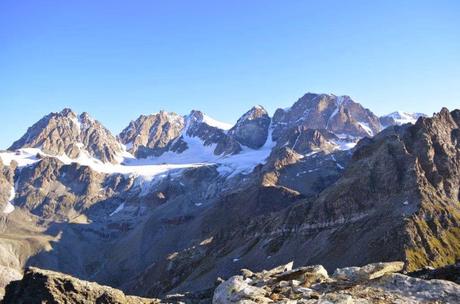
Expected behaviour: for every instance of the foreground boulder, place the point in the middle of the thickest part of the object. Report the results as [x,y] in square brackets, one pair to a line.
[368,272]
[373,283]
[44,286]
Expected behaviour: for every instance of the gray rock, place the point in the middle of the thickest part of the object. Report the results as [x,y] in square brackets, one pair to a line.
[368,272]
[251,129]
[152,134]
[307,275]
[66,133]
[418,290]
[337,114]
[236,290]
[44,286]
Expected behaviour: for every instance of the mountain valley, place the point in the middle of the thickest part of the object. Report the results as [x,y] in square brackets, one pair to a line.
[174,202]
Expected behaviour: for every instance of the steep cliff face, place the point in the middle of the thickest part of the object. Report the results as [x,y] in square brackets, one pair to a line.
[211,136]
[152,134]
[251,129]
[434,230]
[57,191]
[338,114]
[405,179]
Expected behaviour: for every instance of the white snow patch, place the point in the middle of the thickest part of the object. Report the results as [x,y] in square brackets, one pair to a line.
[228,165]
[401,118]
[76,121]
[346,142]
[128,146]
[23,157]
[119,208]
[345,145]
[338,102]
[405,203]
[215,123]
[366,128]
[9,205]
[198,204]
[235,260]
[246,160]
[144,168]
[196,155]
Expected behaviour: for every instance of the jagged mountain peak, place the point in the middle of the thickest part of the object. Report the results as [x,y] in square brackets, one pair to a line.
[251,129]
[255,112]
[67,112]
[400,118]
[152,134]
[66,133]
[337,114]
[197,116]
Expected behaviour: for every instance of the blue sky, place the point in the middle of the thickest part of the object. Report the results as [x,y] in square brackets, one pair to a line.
[119,59]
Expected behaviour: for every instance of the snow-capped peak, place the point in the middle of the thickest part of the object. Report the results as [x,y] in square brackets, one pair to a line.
[400,118]
[200,117]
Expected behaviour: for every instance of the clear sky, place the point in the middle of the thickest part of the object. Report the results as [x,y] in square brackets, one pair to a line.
[119,59]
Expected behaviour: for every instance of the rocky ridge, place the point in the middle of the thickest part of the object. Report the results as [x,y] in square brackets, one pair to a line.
[152,134]
[373,283]
[43,286]
[65,133]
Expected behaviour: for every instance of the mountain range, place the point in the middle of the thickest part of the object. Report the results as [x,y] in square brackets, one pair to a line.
[174,202]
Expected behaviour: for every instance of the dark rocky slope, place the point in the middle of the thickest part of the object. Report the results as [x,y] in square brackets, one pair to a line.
[43,286]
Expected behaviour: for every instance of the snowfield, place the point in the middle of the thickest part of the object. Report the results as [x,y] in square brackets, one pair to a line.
[196,155]
[402,118]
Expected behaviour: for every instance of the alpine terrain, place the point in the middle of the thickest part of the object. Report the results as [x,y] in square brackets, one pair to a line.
[321,202]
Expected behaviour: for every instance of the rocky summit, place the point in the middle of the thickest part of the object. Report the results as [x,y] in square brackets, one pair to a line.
[373,283]
[172,208]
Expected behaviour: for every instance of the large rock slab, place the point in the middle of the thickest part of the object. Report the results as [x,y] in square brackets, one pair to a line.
[368,272]
[237,290]
[373,283]
[44,286]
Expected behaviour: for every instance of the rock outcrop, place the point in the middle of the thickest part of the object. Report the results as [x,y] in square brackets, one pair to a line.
[251,129]
[151,135]
[374,283]
[44,286]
